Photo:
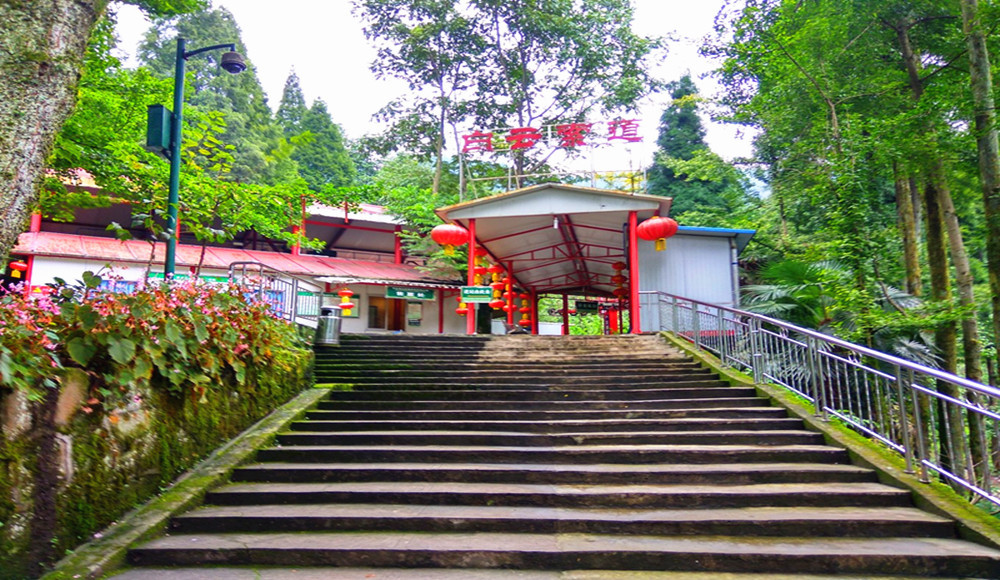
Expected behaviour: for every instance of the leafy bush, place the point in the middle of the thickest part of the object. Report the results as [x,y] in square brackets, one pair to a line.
[182,337]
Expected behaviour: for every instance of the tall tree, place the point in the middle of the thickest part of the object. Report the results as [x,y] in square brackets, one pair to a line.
[432,45]
[42,44]
[323,158]
[293,107]
[249,124]
[681,137]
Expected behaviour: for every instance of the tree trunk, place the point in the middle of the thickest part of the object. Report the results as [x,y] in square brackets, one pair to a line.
[949,424]
[981,80]
[42,43]
[908,229]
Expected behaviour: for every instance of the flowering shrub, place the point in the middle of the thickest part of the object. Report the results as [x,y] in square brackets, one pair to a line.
[28,343]
[182,336]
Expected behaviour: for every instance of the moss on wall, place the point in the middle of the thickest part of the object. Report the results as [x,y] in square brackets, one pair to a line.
[121,458]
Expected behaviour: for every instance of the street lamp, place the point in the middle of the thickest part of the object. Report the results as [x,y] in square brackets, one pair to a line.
[232,63]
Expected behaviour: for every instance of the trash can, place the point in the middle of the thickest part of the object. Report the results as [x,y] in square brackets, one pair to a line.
[328,326]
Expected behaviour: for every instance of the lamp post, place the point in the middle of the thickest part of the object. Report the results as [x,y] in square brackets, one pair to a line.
[232,63]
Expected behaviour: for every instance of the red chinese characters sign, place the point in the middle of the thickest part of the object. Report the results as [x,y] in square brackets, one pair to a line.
[566,136]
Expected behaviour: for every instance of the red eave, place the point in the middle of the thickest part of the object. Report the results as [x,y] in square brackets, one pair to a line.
[137,252]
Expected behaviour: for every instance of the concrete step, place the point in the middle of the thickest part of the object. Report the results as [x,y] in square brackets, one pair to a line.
[927,556]
[459,396]
[515,383]
[562,455]
[402,377]
[573,496]
[545,473]
[556,427]
[866,522]
[501,438]
[474,415]
[521,365]
[675,403]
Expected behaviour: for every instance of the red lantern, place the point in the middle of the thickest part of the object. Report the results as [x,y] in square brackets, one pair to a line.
[510,308]
[620,292]
[524,322]
[572,310]
[345,293]
[657,229]
[481,252]
[449,236]
[618,279]
[525,296]
[496,304]
[347,306]
[16,267]
[479,270]
[497,285]
[495,269]
[524,310]
[462,309]
[619,266]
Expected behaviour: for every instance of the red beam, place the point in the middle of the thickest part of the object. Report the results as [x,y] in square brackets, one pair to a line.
[505,236]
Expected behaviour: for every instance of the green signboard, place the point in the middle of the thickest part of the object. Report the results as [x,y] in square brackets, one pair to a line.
[216,279]
[409,293]
[586,306]
[476,294]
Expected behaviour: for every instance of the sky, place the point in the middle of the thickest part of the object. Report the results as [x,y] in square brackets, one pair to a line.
[324,44]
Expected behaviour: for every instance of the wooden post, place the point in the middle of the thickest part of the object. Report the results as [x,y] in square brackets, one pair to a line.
[633,271]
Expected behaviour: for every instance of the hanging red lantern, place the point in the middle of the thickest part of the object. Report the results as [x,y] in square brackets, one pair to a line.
[618,279]
[619,266]
[479,270]
[345,300]
[620,292]
[524,322]
[462,309]
[496,304]
[524,310]
[449,236]
[495,269]
[497,285]
[16,268]
[481,252]
[657,229]
[509,308]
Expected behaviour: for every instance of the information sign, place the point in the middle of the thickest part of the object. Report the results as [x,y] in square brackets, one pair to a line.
[409,293]
[476,294]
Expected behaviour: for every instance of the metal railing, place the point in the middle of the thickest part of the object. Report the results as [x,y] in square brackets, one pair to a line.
[291,298]
[945,426]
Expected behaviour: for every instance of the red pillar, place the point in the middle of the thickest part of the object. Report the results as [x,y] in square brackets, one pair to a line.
[470,317]
[36,223]
[565,313]
[510,293]
[297,247]
[633,271]
[398,247]
[441,303]
[534,312]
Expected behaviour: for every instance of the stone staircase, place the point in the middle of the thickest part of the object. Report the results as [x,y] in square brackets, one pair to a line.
[554,453]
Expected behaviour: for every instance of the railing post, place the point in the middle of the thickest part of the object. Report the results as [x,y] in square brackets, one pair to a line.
[756,356]
[721,333]
[295,299]
[696,326]
[818,379]
[904,424]
[918,423]
[675,315]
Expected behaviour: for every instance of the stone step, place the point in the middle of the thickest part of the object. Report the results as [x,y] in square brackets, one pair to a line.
[349,573]
[515,384]
[556,427]
[459,397]
[475,369]
[580,474]
[461,406]
[402,377]
[517,365]
[864,556]
[863,522]
[563,455]
[576,496]
[474,415]
[503,439]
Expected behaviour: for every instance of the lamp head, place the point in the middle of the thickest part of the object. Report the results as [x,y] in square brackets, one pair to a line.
[233,63]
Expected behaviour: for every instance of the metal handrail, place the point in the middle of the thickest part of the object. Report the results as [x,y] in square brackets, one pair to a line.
[944,425]
[289,296]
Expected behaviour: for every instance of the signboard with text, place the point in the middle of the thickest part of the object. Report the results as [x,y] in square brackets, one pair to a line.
[476,294]
[409,293]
